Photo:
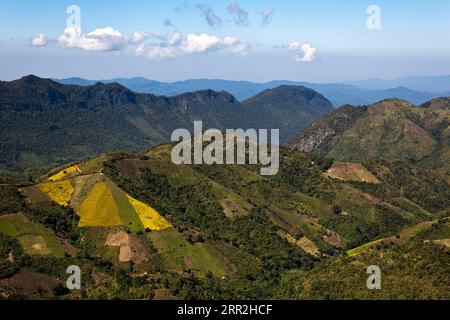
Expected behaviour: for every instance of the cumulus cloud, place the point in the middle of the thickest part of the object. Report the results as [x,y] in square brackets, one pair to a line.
[266,16]
[208,14]
[140,50]
[39,40]
[103,39]
[167,47]
[174,39]
[239,14]
[177,45]
[200,43]
[160,53]
[140,36]
[305,52]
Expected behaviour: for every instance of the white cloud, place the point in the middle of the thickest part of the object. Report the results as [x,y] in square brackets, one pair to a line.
[200,43]
[241,49]
[177,45]
[103,39]
[140,50]
[175,39]
[39,40]
[266,15]
[140,36]
[306,52]
[295,46]
[161,53]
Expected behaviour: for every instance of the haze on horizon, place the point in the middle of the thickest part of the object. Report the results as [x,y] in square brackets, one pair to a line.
[259,41]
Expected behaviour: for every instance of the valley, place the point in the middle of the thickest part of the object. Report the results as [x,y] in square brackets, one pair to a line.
[358,186]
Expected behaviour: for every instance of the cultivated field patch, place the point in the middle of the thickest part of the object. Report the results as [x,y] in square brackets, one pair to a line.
[308,246]
[130,248]
[65,173]
[365,247]
[60,192]
[33,237]
[99,208]
[36,197]
[349,171]
[149,217]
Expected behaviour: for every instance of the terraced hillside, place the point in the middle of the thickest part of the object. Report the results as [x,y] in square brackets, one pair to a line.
[97,201]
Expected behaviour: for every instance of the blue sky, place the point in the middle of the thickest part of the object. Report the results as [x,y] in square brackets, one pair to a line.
[319,41]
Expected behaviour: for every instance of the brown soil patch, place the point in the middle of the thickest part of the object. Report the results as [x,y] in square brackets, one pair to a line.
[28,284]
[231,208]
[10,257]
[333,238]
[36,197]
[131,167]
[130,247]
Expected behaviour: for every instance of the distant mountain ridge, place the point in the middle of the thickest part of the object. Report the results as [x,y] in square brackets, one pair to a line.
[338,93]
[440,84]
[48,123]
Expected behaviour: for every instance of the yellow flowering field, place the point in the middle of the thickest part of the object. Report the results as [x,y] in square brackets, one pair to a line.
[60,192]
[150,218]
[99,208]
[63,173]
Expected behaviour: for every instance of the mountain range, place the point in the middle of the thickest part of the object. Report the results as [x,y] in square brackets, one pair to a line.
[357,186]
[357,93]
[420,83]
[48,123]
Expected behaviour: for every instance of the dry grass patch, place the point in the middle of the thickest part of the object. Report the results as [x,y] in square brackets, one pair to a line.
[308,246]
[442,242]
[348,171]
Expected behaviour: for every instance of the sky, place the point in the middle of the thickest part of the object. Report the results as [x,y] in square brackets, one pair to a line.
[316,41]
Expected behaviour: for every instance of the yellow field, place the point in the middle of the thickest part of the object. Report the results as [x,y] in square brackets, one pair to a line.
[150,218]
[60,192]
[63,173]
[99,208]
[364,247]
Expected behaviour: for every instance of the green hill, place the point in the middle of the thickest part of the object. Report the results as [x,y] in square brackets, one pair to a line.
[391,129]
[45,123]
[228,231]
[141,227]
